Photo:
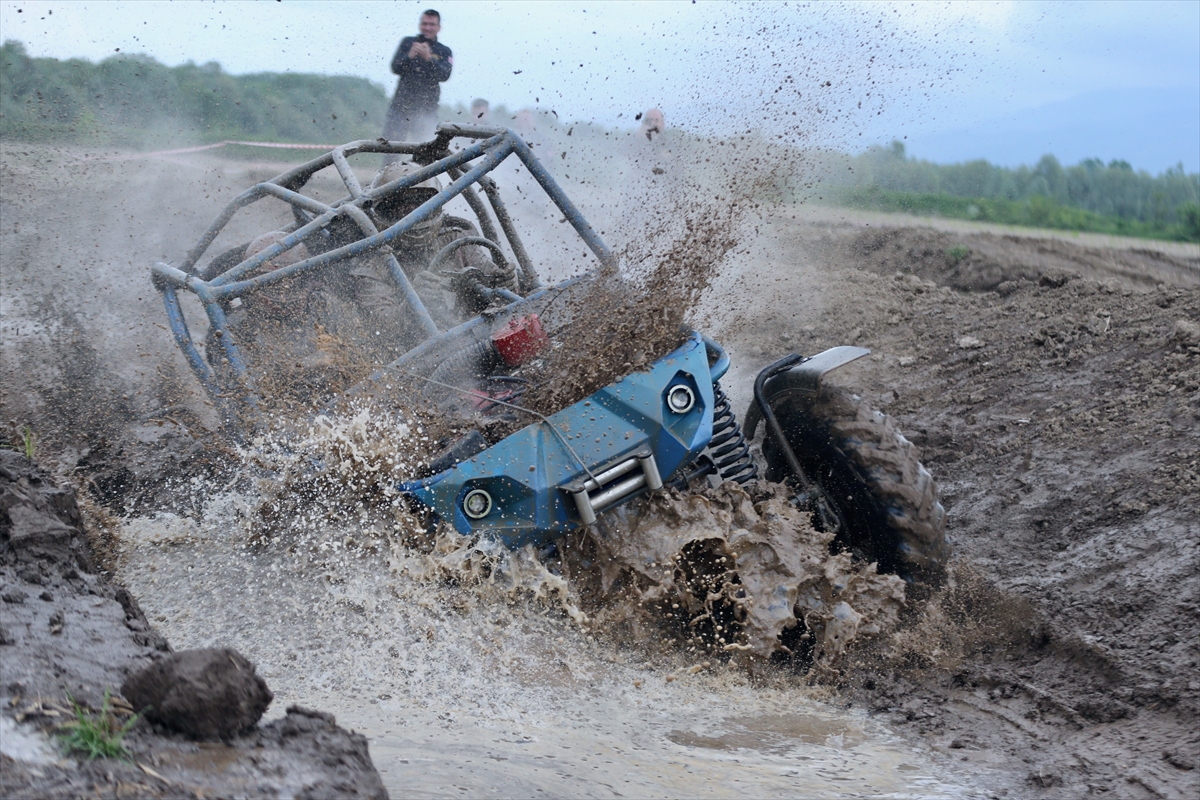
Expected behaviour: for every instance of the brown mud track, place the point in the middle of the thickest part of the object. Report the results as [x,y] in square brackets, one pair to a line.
[1053,389]
[1058,403]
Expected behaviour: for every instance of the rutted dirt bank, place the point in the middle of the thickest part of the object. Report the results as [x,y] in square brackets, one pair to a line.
[68,634]
[1055,392]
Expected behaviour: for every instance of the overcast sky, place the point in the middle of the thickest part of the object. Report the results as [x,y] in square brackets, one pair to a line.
[893,70]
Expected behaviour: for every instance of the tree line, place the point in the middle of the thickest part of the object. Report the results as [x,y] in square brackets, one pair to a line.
[1091,195]
[135,101]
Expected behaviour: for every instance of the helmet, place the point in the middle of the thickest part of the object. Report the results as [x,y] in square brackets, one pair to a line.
[393,207]
[399,169]
[284,259]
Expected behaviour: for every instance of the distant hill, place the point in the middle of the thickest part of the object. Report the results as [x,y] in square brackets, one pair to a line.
[1152,129]
[135,100]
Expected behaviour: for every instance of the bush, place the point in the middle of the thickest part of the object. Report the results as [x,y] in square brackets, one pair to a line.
[1190,214]
[1036,211]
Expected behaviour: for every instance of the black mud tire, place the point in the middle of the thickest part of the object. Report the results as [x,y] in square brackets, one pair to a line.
[886,500]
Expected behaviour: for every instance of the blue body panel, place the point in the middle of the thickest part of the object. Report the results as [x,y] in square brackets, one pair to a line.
[526,473]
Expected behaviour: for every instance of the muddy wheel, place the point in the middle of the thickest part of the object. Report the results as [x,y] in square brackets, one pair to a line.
[885,502]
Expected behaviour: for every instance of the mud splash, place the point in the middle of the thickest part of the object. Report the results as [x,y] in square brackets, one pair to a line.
[337,468]
[722,573]
[708,573]
[968,615]
[467,669]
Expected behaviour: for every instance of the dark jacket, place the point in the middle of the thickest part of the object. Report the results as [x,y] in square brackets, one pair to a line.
[418,85]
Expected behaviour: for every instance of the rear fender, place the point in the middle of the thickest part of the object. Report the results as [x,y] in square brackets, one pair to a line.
[803,378]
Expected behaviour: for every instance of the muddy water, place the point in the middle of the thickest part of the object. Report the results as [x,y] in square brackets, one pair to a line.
[486,690]
[658,747]
[482,689]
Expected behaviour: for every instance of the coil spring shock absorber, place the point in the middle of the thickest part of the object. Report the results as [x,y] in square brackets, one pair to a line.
[729,449]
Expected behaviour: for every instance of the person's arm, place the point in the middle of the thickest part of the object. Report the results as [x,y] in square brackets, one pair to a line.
[402,54]
[443,64]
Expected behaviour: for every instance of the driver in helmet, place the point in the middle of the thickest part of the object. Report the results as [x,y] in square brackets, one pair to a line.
[361,301]
[449,291]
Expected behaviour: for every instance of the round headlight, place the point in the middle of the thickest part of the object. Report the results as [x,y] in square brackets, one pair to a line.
[680,399]
[477,504]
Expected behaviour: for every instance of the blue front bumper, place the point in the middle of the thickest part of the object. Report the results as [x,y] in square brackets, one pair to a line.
[551,477]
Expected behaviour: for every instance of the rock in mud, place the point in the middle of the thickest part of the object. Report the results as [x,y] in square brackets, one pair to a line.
[208,694]
[1179,760]
[78,636]
[1186,332]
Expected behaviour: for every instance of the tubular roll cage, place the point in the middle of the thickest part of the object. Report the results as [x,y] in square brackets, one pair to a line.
[491,146]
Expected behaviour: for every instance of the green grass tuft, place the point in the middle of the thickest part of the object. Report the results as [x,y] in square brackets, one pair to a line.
[96,734]
[28,443]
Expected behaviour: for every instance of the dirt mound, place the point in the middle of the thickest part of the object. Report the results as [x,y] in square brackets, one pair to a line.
[304,754]
[52,598]
[985,262]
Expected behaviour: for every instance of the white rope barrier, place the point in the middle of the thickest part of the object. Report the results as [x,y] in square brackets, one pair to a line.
[225,143]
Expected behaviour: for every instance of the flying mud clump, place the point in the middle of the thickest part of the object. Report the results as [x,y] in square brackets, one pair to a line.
[624,322]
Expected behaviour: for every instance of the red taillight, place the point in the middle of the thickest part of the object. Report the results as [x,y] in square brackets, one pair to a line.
[520,340]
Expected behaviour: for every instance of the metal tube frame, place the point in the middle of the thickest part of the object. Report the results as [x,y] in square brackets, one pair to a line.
[530,277]
[485,221]
[492,145]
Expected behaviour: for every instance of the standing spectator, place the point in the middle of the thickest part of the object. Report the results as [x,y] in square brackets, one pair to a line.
[657,156]
[652,176]
[481,112]
[422,62]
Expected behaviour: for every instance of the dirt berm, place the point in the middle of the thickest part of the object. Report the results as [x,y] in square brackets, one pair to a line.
[68,635]
[1054,391]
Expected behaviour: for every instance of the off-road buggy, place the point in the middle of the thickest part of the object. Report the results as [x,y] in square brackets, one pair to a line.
[558,469]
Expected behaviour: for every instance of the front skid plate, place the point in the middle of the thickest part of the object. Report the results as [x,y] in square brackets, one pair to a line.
[532,478]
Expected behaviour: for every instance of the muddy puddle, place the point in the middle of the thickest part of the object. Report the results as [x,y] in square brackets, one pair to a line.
[682,744]
[497,687]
